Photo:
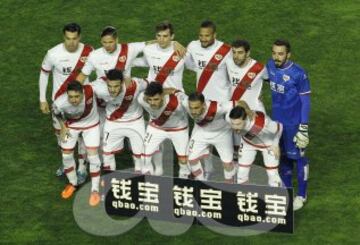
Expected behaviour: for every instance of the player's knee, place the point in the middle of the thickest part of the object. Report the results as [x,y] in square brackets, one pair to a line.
[182,160]
[243,175]
[273,178]
[228,166]
[92,151]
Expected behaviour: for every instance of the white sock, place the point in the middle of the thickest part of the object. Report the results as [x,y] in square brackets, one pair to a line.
[109,162]
[69,168]
[197,170]
[94,171]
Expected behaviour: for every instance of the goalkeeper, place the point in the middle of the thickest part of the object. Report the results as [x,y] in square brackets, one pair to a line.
[290,89]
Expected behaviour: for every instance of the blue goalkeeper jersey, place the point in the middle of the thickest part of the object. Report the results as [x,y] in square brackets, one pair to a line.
[287,84]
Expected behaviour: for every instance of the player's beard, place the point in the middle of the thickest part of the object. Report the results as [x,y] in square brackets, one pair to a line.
[207,44]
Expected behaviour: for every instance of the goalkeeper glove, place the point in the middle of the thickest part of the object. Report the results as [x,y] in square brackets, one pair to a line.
[301,138]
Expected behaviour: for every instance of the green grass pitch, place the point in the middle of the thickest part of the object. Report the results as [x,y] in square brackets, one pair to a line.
[325,38]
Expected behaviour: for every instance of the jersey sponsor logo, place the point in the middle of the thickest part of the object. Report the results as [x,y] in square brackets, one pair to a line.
[218,57]
[122,58]
[175,58]
[167,113]
[286,78]
[83,59]
[130,97]
[251,75]
[89,101]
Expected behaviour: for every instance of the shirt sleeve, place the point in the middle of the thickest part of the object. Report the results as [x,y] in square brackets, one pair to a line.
[56,109]
[275,129]
[303,84]
[89,65]
[225,107]
[47,64]
[137,47]
[43,82]
[189,61]
[265,74]
[140,62]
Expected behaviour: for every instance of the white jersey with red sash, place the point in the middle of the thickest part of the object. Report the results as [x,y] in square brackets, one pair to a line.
[170,116]
[164,66]
[213,117]
[247,82]
[101,61]
[124,107]
[261,131]
[83,116]
[210,68]
[65,67]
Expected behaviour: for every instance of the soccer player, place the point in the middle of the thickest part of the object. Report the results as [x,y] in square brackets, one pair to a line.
[168,120]
[290,90]
[246,76]
[77,113]
[210,128]
[165,65]
[259,133]
[207,57]
[124,116]
[64,62]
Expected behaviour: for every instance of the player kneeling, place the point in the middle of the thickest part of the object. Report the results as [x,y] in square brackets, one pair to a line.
[77,113]
[259,133]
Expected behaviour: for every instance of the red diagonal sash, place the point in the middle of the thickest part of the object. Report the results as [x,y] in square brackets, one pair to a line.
[212,66]
[75,72]
[246,81]
[89,102]
[128,98]
[210,115]
[257,127]
[167,68]
[169,109]
[121,61]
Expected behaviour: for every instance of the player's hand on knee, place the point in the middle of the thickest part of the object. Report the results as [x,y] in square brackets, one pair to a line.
[301,138]
[64,134]
[44,107]
[275,149]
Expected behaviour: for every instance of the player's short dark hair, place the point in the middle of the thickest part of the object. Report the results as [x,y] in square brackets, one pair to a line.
[109,31]
[283,42]
[208,24]
[165,25]
[153,89]
[238,43]
[72,27]
[238,112]
[196,96]
[74,86]
[114,74]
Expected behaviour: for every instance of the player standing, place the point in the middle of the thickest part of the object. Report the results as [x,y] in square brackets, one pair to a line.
[207,57]
[64,61]
[290,90]
[246,76]
[77,113]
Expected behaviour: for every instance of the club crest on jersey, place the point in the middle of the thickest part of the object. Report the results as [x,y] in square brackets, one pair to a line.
[167,113]
[218,57]
[89,101]
[83,59]
[122,58]
[209,118]
[286,78]
[129,97]
[251,75]
[175,58]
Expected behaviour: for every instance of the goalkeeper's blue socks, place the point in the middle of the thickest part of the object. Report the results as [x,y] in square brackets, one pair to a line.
[286,168]
[302,175]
